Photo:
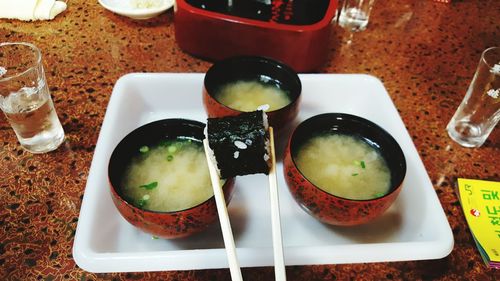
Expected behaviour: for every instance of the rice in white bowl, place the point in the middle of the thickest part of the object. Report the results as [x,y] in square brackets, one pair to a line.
[146,4]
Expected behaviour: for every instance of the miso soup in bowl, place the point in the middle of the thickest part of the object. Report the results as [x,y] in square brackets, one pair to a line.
[159,179]
[249,83]
[343,169]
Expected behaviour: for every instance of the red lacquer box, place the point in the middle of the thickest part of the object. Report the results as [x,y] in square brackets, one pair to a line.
[295,32]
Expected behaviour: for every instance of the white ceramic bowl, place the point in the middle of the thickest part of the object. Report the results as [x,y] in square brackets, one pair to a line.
[127,8]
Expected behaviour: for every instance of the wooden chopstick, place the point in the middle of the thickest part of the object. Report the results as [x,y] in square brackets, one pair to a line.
[227,233]
[279,263]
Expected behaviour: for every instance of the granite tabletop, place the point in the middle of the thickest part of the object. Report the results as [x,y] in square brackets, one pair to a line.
[424,52]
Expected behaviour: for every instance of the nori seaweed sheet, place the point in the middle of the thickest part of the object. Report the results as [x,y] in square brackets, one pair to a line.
[224,132]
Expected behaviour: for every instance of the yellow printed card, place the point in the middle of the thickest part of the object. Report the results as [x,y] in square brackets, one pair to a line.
[481,205]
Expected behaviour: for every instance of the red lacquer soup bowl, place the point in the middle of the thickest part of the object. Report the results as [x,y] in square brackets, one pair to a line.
[325,206]
[252,68]
[171,224]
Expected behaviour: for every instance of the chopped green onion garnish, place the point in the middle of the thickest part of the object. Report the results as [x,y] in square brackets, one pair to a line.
[379,194]
[170,158]
[355,174]
[150,186]
[172,149]
[154,237]
[360,163]
[144,149]
[141,202]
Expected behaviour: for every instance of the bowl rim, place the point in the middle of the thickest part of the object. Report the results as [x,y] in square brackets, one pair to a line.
[114,189]
[324,22]
[343,116]
[257,59]
[131,12]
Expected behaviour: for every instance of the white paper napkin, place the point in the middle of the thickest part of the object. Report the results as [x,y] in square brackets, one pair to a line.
[31,10]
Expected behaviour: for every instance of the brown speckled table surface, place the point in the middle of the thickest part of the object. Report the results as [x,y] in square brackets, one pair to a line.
[424,52]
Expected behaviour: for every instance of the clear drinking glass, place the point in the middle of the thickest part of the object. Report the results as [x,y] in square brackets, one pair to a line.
[355,14]
[479,111]
[25,98]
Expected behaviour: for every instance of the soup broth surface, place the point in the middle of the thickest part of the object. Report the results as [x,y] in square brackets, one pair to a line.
[170,176]
[252,95]
[344,166]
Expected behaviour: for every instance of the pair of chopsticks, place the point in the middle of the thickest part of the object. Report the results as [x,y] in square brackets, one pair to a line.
[227,234]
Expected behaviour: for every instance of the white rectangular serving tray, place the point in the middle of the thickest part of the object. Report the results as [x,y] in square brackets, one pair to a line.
[414,228]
